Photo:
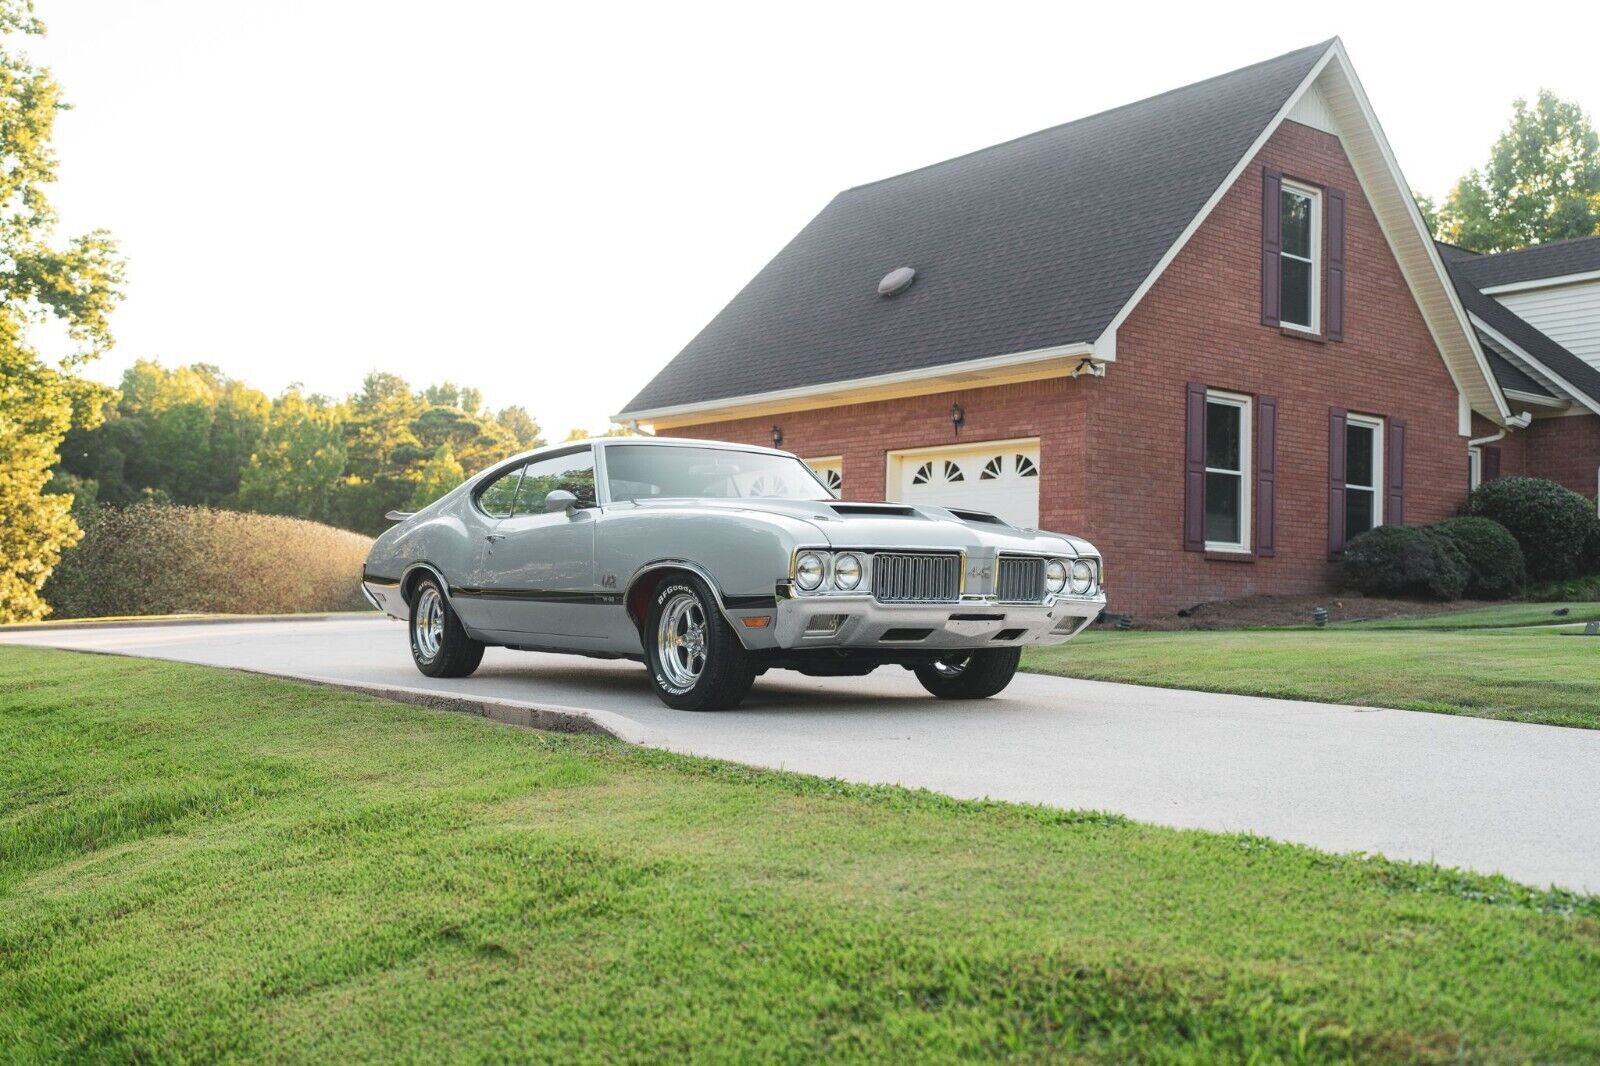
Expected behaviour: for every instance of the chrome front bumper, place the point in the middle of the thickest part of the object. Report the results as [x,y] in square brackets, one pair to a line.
[862,623]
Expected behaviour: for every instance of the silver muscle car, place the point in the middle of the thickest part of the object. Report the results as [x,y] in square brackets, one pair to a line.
[713,563]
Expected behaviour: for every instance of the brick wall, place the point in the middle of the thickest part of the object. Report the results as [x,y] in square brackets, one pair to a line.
[1201,323]
[1112,448]
[1563,449]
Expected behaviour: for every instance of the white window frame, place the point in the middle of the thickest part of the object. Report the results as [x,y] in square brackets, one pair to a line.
[1474,468]
[1314,195]
[1246,407]
[1379,461]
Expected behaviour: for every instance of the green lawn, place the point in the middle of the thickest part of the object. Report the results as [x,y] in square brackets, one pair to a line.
[196,864]
[1496,617]
[1521,674]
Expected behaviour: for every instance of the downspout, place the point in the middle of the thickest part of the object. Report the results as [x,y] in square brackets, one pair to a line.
[1514,422]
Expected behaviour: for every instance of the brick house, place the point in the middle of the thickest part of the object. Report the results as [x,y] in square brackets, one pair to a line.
[1208,331]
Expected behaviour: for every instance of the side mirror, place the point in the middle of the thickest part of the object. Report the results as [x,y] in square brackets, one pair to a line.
[560,500]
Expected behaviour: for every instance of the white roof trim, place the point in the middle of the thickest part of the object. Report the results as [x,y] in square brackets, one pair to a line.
[1541,283]
[1522,353]
[828,388]
[1488,396]
[1537,400]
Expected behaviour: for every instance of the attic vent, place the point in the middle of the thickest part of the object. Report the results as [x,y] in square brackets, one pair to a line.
[896,281]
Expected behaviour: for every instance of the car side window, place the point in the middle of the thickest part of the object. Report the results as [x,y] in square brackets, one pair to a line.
[497,500]
[573,472]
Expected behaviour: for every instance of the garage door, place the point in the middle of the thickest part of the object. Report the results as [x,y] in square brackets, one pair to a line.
[1001,477]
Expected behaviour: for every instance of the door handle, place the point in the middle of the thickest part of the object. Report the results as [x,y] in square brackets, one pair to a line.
[493,537]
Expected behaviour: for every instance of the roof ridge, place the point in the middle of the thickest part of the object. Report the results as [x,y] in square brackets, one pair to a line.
[1320,47]
[1536,247]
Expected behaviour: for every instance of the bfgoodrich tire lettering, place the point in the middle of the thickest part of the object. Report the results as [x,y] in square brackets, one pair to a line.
[695,659]
[439,644]
[974,677]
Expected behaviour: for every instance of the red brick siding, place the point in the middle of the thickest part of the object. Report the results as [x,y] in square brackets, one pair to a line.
[1201,322]
[1565,450]
[1112,449]
[863,434]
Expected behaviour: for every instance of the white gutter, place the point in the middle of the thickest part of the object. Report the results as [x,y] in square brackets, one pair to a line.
[1514,422]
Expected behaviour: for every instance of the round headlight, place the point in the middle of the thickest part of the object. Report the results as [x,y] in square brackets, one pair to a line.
[1055,576]
[1082,577]
[846,572]
[808,571]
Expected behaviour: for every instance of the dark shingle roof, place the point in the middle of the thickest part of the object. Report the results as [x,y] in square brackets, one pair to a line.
[1577,373]
[1506,372]
[1030,244]
[1554,260]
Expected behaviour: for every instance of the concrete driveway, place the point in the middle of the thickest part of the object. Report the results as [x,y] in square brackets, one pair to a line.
[1498,797]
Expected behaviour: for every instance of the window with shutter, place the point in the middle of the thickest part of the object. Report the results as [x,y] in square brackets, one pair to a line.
[1335,315]
[1266,459]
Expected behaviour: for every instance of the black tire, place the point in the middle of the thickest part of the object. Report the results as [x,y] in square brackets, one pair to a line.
[449,652]
[725,674]
[971,677]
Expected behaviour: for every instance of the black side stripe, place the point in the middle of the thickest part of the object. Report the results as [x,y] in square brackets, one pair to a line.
[586,599]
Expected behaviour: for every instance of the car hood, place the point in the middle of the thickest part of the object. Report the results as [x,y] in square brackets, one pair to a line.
[891,525]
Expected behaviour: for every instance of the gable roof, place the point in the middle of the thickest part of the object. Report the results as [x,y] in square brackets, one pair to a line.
[1558,259]
[1508,329]
[1029,251]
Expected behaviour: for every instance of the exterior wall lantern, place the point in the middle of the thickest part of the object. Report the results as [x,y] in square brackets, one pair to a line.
[777,436]
[957,417]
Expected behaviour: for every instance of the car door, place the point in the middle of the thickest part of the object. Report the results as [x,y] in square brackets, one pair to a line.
[492,505]
[537,570]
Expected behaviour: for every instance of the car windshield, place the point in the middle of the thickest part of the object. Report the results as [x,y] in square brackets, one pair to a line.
[648,471]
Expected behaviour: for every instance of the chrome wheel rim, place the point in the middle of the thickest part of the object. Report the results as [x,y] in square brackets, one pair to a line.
[681,640]
[951,667]
[428,626]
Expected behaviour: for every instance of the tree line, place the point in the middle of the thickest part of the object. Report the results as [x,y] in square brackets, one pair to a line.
[193,435]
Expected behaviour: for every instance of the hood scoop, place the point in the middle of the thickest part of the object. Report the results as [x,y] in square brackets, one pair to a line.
[873,509]
[979,517]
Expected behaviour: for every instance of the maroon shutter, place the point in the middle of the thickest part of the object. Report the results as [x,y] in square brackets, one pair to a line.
[1394,473]
[1337,418]
[1266,474]
[1271,246]
[1335,265]
[1194,471]
[1490,468]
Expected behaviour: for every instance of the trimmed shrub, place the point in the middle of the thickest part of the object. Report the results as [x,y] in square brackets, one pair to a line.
[1495,569]
[1552,523]
[158,559]
[1405,561]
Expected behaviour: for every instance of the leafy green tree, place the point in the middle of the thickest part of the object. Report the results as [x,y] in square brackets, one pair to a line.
[300,462]
[1542,182]
[71,285]
[524,431]
[438,475]
[183,434]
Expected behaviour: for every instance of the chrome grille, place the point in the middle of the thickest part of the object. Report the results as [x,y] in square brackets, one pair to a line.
[1019,580]
[906,578]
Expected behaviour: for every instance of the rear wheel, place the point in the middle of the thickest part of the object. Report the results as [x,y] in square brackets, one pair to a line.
[695,658]
[439,644]
[971,676]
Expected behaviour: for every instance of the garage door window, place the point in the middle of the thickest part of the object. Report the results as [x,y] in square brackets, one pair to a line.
[1227,472]
[1000,477]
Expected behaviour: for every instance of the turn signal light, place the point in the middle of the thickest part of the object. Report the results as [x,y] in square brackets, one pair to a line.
[760,621]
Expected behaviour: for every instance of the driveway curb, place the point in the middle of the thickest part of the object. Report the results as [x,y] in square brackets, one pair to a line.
[67,625]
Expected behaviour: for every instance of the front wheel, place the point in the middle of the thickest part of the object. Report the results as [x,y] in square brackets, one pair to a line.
[439,643]
[973,676]
[696,661]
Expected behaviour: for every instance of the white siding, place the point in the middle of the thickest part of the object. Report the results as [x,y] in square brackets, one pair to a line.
[1312,110]
[1567,314]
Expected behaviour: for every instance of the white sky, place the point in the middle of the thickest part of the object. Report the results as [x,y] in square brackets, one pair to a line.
[548,201]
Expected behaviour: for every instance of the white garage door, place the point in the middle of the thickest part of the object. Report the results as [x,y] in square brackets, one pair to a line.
[1001,477]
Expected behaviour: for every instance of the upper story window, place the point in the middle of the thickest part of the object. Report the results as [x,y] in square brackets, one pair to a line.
[1363,479]
[1300,286]
[1227,489]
